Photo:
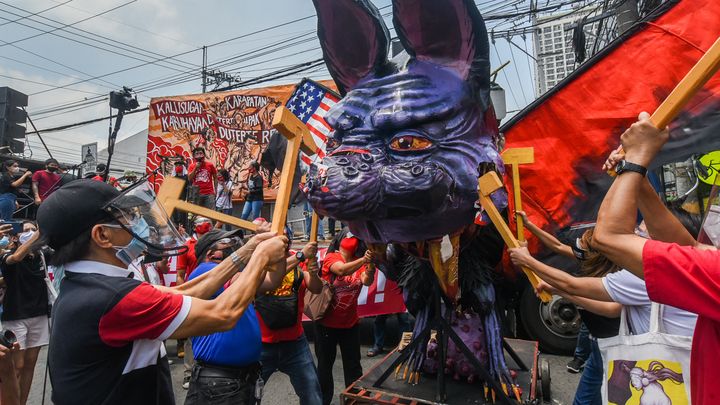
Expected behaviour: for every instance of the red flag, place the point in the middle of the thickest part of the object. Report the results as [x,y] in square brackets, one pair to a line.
[575,125]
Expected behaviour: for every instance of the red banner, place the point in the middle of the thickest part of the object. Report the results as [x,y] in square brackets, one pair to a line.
[575,125]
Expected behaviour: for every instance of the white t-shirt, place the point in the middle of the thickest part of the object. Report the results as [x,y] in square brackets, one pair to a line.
[630,291]
[153,275]
[224,195]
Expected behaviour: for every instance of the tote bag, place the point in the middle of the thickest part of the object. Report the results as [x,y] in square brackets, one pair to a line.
[648,369]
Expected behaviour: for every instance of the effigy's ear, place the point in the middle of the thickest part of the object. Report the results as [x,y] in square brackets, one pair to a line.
[354,40]
[450,33]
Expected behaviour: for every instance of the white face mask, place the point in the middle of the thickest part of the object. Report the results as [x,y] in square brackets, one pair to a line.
[24,237]
[711,226]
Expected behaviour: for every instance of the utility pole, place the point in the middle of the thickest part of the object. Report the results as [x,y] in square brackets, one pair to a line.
[215,77]
[204,70]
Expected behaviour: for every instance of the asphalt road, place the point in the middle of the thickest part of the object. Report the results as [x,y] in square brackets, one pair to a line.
[279,390]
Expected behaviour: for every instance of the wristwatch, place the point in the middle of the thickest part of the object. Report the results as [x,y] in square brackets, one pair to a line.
[300,256]
[625,166]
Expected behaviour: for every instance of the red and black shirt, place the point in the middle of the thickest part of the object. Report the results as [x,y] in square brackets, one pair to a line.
[106,339]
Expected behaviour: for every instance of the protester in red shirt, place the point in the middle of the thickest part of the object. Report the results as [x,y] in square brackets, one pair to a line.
[339,326]
[45,182]
[286,349]
[677,269]
[203,175]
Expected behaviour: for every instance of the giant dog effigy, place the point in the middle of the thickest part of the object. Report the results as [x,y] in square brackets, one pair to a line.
[414,134]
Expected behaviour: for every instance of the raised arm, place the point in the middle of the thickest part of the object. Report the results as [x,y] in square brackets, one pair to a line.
[346,269]
[207,284]
[24,249]
[222,313]
[547,239]
[614,234]
[19,182]
[588,287]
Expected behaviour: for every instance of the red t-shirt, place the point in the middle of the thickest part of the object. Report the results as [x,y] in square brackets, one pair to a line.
[205,177]
[343,313]
[187,260]
[47,182]
[294,332]
[689,278]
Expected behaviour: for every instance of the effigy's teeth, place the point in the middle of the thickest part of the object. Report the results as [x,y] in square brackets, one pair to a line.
[444,256]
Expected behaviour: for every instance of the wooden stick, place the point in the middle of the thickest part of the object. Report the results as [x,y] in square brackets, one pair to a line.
[169,197]
[489,183]
[299,137]
[515,157]
[314,221]
[693,81]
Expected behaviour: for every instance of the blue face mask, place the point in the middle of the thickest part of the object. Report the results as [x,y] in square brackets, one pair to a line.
[128,253]
[4,242]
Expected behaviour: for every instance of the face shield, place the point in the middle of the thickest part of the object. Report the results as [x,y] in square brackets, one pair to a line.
[140,214]
[710,233]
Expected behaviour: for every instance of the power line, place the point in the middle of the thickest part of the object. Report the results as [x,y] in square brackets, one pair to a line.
[113,41]
[43,84]
[112,51]
[36,13]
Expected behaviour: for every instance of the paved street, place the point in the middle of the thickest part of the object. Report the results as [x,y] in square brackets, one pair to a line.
[279,390]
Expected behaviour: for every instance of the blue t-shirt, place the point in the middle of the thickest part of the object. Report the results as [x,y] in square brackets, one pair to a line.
[238,347]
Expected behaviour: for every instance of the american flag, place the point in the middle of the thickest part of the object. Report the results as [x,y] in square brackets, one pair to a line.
[310,102]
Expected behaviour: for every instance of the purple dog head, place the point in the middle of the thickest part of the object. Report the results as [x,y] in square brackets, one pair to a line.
[414,135]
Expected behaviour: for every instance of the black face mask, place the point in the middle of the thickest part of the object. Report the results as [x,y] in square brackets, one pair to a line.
[52,169]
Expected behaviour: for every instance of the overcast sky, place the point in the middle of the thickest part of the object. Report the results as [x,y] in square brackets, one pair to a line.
[35,61]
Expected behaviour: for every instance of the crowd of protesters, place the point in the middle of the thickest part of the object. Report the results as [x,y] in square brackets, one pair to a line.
[129,278]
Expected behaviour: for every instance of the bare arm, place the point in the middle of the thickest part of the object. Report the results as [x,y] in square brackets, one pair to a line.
[661,223]
[274,278]
[193,173]
[222,313]
[207,284]
[588,287]
[615,232]
[346,269]
[35,190]
[312,277]
[17,183]
[368,276]
[24,249]
[607,309]
[547,239]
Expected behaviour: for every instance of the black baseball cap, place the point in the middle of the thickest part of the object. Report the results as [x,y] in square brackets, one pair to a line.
[212,237]
[73,209]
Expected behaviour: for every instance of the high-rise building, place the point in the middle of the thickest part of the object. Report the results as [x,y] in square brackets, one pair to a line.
[554,46]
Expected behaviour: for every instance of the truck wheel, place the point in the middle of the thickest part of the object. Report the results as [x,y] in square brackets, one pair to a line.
[554,325]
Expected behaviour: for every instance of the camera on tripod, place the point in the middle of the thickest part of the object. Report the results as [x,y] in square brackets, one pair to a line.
[123,100]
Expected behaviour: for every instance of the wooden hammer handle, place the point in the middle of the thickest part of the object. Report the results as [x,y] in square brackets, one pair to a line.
[693,81]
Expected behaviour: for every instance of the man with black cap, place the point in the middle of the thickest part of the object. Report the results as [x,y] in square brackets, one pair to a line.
[45,182]
[107,332]
[230,359]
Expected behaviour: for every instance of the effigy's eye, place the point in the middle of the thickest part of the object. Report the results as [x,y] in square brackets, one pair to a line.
[407,143]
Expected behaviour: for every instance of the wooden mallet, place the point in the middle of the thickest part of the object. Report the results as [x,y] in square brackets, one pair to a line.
[169,197]
[299,138]
[693,81]
[516,157]
[488,184]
